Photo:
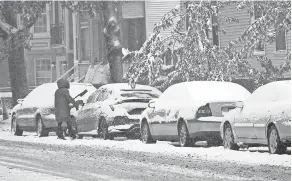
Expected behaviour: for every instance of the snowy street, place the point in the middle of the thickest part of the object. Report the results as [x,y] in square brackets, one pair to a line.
[96,159]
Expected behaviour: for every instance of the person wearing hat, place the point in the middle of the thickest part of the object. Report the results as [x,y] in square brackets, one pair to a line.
[62,108]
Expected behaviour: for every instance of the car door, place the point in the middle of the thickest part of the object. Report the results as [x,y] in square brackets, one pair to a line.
[163,124]
[265,109]
[254,114]
[86,120]
[101,107]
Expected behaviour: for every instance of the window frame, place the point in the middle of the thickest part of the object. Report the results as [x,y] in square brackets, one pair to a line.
[48,21]
[256,51]
[35,71]
[286,45]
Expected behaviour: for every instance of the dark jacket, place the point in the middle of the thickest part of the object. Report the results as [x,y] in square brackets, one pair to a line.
[62,101]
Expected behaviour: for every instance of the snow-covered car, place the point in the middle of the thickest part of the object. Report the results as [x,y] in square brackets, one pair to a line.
[114,110]
[264,118]
[189,112]
[36,111]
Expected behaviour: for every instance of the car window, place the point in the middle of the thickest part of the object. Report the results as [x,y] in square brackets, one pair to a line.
[102,96]
[93,96]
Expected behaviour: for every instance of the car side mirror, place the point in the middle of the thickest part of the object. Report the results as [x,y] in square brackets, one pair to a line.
[151,104]
[19,101]
[1,111]
[239,104]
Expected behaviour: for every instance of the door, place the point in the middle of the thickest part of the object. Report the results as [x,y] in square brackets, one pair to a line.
[86,120]
[61,65]
[255,113]
[244,123]
[163,123]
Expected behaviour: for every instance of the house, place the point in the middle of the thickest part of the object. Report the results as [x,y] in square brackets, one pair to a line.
[276,51]
[72,46]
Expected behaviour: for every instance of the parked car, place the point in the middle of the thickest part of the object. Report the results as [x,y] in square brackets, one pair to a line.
[263,119]
[189,112]
[114,110]
[36,111]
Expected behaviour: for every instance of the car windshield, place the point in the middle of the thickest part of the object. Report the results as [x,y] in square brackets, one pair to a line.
[139,94]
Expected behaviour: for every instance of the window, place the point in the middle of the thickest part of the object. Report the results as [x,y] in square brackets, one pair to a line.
[42,71]
[93,96]
[215,35]
[85,44]
[134,32]
[260,46]
[102,96]
[280,35]
[57,23]
[40,25]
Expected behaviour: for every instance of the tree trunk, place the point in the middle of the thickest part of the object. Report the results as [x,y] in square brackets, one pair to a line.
[113,39]
[16,62]
[4,108]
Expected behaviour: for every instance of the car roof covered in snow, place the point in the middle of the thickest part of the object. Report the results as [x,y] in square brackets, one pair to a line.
[118,87]
[278,90]
[208,91]
[43,95]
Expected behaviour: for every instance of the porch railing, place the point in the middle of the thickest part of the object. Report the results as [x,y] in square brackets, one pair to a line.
[72,74]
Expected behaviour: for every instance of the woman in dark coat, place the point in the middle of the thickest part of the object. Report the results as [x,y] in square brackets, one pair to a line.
[62,107]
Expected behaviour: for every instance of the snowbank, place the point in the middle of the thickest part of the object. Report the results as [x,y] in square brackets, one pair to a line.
[255,156]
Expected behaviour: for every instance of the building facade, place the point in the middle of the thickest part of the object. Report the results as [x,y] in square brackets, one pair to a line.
[69,45]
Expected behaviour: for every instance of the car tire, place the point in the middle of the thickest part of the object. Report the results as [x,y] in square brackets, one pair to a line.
[41,130]
[145,134]
[274,143]
[183,133]
[103,129]
[14,127]
[228,140]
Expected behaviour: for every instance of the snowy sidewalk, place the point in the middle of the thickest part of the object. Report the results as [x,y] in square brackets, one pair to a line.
[14,173]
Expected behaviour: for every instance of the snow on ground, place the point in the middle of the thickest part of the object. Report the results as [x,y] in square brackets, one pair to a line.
[12,172]
[254,156]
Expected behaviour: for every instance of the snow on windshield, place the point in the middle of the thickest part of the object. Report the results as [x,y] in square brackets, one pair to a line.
[139,94]
[274,91]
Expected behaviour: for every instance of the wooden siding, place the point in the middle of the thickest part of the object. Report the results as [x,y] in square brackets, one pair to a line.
[234,30]
[133,9]
[155,10]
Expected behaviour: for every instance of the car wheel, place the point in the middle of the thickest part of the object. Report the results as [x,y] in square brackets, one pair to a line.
[145,133]
[103,129]
[228,140]
[183,133]
[14,127]
[41,130]
[274,143]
